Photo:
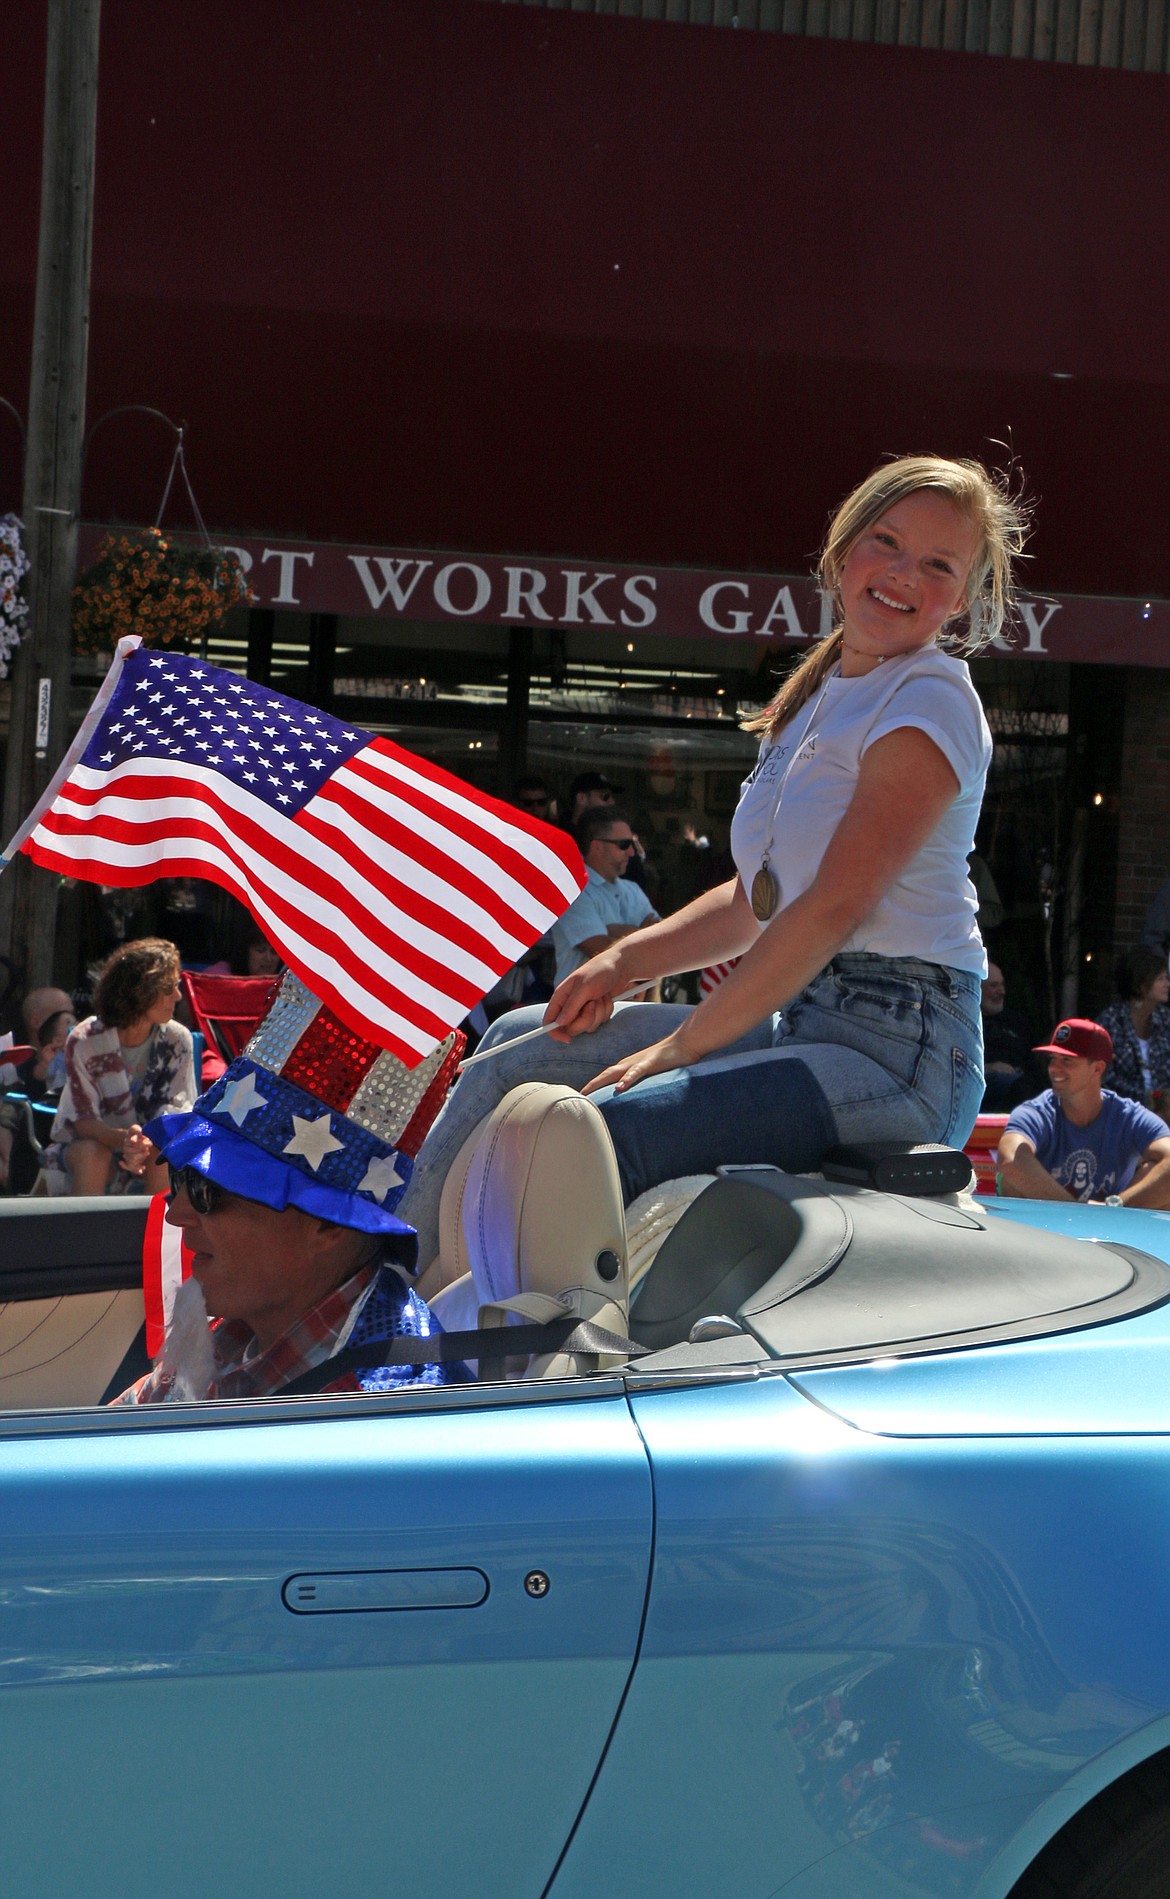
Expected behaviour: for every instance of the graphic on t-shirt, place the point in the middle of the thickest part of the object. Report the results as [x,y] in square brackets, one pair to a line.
[769,765]
[1078,1172]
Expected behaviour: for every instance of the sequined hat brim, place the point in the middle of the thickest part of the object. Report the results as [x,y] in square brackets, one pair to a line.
[239,1166]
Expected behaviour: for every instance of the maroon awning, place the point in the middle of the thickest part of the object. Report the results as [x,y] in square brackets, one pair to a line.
[423,274]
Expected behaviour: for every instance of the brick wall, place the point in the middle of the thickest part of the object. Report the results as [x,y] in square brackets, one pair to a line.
[1143,856]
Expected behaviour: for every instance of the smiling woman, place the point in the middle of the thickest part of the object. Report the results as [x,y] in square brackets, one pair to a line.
[852,1013]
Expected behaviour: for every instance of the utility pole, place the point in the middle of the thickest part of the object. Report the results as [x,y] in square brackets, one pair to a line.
[38,728]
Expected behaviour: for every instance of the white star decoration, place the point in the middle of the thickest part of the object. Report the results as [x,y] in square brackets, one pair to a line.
[380,1177]
[241,1098]
[312,1140]
[265,745]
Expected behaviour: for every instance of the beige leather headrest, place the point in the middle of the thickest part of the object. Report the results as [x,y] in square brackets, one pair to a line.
[542,1200]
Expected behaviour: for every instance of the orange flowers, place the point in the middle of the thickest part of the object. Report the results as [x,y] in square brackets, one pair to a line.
[164,591]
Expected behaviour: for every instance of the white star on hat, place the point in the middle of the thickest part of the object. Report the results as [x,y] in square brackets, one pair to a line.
[380,1177]
[241,1098]
[313,1139]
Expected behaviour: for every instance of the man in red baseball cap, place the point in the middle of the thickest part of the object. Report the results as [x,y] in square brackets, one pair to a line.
[1079,1141]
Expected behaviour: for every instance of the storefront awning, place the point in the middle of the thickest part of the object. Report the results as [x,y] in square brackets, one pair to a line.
[433,586]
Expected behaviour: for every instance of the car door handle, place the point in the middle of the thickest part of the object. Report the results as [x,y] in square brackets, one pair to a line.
[360,1591]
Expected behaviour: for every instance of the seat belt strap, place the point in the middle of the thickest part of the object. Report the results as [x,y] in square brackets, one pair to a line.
[485,1342]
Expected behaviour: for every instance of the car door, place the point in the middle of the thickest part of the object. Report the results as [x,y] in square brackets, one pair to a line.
[314,1647]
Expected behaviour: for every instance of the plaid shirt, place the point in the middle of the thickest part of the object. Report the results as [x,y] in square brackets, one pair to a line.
[243,1371]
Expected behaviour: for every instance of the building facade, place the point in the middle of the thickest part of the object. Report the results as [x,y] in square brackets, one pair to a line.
[524,350]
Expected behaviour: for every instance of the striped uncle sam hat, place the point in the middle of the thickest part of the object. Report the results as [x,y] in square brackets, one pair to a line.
[314,1116]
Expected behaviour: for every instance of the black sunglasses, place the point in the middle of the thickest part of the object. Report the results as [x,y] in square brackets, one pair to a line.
[203,1194]
[621,843]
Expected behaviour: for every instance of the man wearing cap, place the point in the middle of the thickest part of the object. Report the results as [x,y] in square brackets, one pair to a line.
[284,1177]
[610,906]
[589,790]
[1079,1141]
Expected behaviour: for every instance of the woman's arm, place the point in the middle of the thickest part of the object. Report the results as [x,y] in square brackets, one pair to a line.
[715,927]
[89,1128]
[904,787]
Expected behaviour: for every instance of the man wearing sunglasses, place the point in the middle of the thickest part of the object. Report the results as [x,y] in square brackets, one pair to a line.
[286,1204]
[610,905]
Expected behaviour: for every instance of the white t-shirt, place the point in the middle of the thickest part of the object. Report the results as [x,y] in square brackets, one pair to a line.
[812,768]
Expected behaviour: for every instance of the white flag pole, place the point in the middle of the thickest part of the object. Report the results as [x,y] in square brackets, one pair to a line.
[88,728]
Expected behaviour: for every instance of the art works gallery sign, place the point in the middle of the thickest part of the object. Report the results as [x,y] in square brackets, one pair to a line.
[684,602]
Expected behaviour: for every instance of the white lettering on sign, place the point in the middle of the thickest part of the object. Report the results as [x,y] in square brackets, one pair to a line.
[740,621]
[782,615]
[392,570]
[1033,626]
[525,586]
[1036,627]
[577,596]
[636,599]
[241,553]
[288,558]
[442,588]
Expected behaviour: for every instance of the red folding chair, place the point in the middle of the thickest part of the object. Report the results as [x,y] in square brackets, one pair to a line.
[226,1011]
[980,1151]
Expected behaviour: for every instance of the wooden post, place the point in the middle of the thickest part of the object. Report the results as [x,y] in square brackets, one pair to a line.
[38,731]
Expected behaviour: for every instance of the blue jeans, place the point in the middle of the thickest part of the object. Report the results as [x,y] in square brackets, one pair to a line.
[876,1048]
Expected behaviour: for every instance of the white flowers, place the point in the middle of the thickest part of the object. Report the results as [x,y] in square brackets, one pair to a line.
[13,601]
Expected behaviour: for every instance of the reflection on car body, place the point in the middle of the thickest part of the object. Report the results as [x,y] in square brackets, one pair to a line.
[852,1597]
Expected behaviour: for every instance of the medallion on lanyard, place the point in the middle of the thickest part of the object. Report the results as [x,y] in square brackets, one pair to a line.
[765,894]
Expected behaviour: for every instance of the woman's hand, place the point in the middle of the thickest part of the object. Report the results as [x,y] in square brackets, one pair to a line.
[136,1150]
[585,999]
[671,1052]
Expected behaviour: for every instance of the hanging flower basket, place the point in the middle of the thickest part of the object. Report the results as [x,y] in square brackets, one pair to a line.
[13,598]
[166,592]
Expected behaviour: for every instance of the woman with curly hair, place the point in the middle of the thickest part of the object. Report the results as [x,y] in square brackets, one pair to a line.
[123,1065]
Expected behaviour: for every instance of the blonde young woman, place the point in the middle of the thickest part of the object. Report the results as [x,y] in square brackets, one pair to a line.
[853,1013]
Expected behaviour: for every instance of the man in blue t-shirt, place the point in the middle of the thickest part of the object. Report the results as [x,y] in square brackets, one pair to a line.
[1079,1141]
[610,906]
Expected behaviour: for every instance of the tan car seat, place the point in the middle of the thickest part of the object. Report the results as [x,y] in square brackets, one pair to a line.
[64,1351]
[531,1226]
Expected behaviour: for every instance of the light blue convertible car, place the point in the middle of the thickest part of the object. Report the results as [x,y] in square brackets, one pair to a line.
[855,1583]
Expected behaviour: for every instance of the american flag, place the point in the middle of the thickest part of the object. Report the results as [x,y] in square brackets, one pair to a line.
[166,1263]
[711,977]
[398,893]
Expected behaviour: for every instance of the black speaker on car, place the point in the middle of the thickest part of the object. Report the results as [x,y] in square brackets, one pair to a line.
[893,1167]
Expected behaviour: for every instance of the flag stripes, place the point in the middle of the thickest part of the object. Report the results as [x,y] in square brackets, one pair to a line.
[397,893]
